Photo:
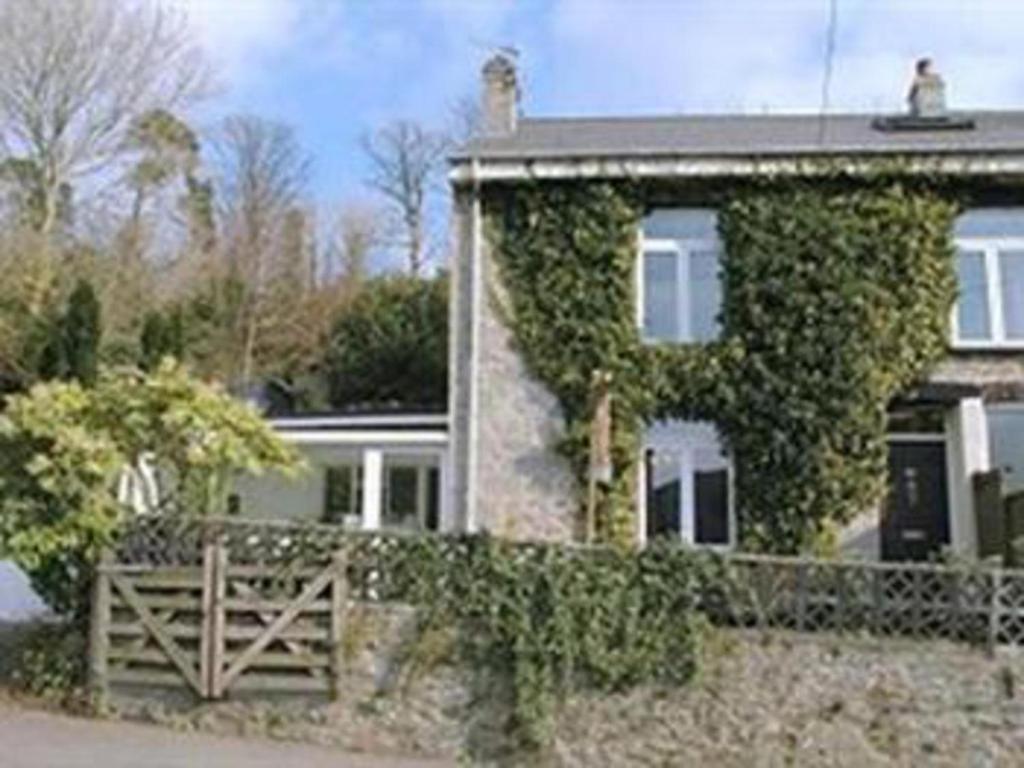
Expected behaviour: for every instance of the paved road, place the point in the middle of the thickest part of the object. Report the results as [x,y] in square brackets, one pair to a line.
[35,739]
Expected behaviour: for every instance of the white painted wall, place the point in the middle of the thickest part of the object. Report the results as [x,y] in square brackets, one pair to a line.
[968,453]
[18,601]
[277,497]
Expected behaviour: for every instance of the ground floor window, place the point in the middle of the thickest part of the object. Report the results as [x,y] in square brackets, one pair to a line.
[688,484]
[411,493]
[343,494]
[1006,443]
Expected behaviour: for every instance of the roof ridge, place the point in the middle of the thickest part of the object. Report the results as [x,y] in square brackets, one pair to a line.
[710,116]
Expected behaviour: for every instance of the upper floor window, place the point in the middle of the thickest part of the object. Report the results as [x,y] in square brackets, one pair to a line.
[990,269]
[680,291]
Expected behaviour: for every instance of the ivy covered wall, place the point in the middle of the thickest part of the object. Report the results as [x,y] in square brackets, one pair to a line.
[837,296]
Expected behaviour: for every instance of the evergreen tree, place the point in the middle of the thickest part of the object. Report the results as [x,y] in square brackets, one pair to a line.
[72,351]
[163,335]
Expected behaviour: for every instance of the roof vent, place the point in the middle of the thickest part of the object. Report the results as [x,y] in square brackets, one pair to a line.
[927,105]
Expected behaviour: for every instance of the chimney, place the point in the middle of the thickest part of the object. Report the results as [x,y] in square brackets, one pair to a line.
[500,94]
[927,97]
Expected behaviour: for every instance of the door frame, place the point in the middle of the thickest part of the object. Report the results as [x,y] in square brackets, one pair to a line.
[944,439]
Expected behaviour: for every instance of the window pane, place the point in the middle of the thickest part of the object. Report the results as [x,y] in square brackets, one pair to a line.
[711,497]
[400,497]
[1011,268]
[681,224]
[342,493]
[705,295]
[972,308]
[991,222]
[433,499]
[664,494]
[1006,438]
[661,315]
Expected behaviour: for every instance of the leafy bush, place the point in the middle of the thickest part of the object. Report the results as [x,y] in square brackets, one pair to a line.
[64,449]
[52,665]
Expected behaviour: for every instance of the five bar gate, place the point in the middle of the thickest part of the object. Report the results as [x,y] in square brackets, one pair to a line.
[218,626]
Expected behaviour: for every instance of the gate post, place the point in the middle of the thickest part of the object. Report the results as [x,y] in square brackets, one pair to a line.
[339,605]
[211,631]
[99,633]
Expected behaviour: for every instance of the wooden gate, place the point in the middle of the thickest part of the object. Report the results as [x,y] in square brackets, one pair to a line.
[218,627]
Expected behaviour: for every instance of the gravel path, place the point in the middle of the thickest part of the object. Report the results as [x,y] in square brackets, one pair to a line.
[36,739]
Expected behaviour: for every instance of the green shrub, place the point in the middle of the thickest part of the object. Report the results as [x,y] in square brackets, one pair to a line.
[64,449]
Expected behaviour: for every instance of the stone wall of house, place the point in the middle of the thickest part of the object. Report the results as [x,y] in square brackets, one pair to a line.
[525,489]
[759,700]
[522,488]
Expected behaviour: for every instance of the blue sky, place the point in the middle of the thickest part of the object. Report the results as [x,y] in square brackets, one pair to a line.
[337,68]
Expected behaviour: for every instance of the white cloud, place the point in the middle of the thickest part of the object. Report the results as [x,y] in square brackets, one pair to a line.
[746,55]
[238,35]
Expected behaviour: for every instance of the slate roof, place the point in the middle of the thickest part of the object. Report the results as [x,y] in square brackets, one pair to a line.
[993,132]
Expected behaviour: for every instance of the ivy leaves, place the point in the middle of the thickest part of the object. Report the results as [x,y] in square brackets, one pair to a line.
[837,295]
[840,299]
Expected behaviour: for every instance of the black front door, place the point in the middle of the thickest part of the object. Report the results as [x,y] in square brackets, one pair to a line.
[915,519]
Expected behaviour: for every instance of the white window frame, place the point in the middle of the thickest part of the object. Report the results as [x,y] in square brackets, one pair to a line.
[1012,407]
[683,249]
[422,468]
[686,438]
[990,248]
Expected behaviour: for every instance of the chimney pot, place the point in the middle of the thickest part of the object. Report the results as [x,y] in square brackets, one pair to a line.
[500,95]
[927,97]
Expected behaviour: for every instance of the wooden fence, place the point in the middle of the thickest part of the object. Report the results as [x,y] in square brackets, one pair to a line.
[218,626]
[222,606]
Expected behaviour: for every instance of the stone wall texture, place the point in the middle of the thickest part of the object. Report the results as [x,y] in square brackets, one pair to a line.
[760,701]
[522,487]
[525,489]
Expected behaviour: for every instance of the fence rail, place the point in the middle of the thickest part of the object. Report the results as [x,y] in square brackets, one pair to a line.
[226,604]
[981,606]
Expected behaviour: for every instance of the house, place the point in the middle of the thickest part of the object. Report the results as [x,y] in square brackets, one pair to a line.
[967,416]
[492,462]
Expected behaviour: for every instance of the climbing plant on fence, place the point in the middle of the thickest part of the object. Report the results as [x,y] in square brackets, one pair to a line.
[837,294]
[542,618]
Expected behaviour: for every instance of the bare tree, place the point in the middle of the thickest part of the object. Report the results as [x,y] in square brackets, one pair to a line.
[405,160]
[356,233]
[465,118]
[75,75]
[260,177]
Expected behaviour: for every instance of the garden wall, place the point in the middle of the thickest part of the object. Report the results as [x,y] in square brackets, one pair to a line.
[761,700]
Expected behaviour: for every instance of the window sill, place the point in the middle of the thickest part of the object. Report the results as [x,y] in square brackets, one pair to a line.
[647,342]
[988,346]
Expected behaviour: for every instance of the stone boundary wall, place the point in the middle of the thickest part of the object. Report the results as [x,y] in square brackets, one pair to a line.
[761,699]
